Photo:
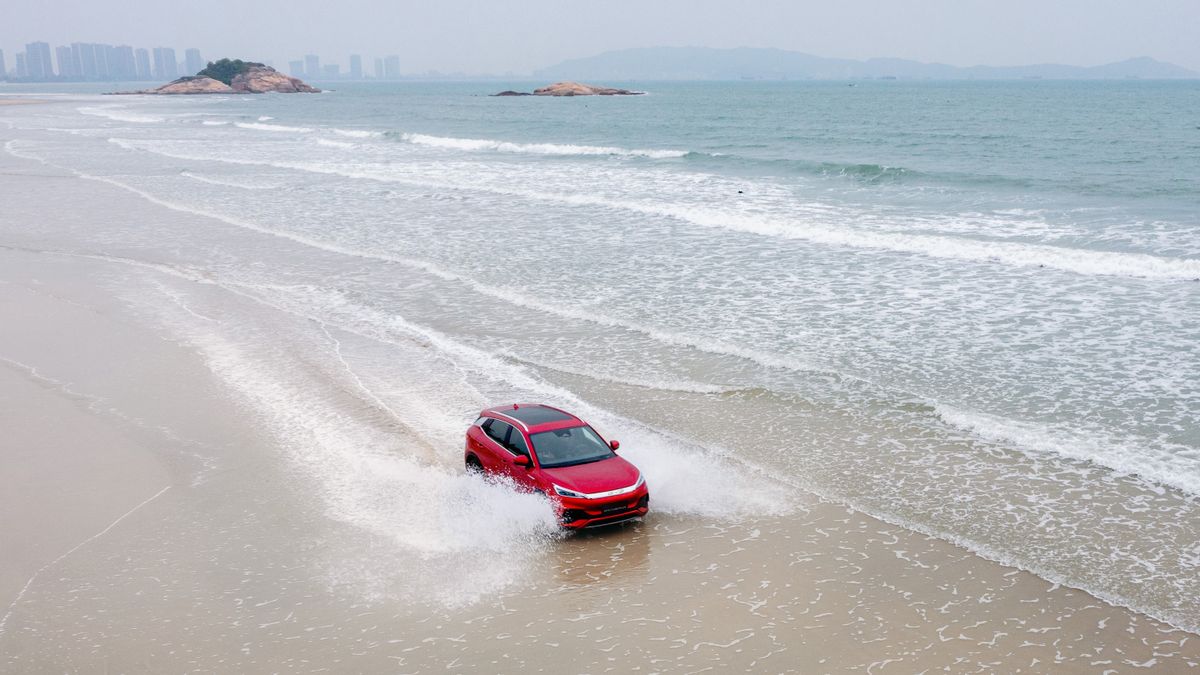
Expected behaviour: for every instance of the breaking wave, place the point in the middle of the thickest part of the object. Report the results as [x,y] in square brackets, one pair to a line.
[480,144]
[273,127]
[356,133]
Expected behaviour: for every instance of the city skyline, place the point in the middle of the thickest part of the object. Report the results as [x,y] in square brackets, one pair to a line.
[471,36]
[84,61]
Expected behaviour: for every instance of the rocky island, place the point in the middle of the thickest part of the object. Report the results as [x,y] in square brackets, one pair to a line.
[572,89]
[233,77]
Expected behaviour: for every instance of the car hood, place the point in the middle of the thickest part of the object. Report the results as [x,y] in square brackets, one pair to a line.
[607,474]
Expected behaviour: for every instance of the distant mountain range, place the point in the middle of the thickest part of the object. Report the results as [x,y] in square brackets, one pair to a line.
[704,63]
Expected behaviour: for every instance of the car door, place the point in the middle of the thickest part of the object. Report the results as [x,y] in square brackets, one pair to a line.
[477,443]
[497,459]
[518,445]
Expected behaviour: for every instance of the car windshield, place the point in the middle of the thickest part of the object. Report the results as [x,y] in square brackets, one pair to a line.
[563,447]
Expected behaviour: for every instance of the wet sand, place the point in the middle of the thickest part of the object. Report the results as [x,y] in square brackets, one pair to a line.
[152,522]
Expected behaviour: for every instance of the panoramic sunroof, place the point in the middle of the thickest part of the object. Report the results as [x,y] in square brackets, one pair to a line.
[536,414]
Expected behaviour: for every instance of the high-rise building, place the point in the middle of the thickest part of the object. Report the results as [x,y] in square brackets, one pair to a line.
[141,60]
[165,67]
[312,66]
[68,69]
[22,70]
[3,70]
[331,71]
[121,63]
[105,60]
[94,60]
[37,61]
[85,57]
[103,65]
[296,68]
[355,67]
[379,69]
[192,61]
[391,67]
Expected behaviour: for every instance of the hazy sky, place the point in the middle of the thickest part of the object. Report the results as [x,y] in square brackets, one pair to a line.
[519,36]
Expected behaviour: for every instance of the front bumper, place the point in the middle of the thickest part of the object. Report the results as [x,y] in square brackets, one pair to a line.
[577,514]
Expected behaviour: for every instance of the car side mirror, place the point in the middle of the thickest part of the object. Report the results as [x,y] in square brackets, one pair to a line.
[614,445]
[523,460]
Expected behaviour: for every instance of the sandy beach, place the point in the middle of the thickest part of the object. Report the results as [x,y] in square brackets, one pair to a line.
[201,476]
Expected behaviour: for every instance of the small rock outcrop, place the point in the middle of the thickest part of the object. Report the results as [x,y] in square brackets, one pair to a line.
[579,89]
[233,77]
[259,79]
[190,85]
[572,89]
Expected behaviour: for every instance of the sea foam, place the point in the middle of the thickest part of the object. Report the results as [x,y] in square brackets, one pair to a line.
[1163,463]
[476,144]
[119,114]
[281,128]
[779,225]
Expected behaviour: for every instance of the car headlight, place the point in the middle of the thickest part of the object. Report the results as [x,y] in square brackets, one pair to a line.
[568,493]
[640,482]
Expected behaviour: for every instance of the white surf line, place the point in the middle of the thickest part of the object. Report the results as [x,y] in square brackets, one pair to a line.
[100,257]
[669,337]
[33,175]
[1027,255]
[11,148]
[12,606]
[337,351]
[174,297]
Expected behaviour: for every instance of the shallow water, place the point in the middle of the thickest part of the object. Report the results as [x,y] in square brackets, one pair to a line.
[968,309]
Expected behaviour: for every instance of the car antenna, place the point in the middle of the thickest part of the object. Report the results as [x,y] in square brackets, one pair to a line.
[515,406]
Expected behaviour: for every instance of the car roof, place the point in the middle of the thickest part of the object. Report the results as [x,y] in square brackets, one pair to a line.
[534,417]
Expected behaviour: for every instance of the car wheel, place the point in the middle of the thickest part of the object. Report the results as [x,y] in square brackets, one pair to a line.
[474,465]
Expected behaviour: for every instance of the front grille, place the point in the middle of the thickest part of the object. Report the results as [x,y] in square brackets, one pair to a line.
[615,508]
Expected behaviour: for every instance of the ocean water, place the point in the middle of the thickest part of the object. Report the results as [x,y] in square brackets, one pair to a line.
[972,309]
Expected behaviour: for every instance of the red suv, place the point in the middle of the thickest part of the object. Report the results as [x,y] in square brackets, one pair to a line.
[556,453]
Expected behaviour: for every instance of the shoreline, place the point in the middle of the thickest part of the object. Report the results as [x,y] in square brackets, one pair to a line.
[246,549]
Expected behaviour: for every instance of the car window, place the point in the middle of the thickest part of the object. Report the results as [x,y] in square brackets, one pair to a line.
[516,443]
[497,430]
[574,445]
